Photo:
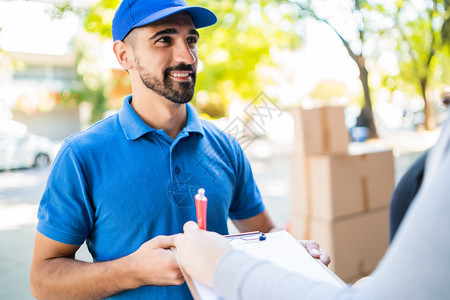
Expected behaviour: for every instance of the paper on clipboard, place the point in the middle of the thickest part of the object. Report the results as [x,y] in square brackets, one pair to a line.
[282,250]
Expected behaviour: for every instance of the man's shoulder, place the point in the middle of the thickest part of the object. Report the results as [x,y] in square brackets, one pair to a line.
[213,131]
[222,140]
[210,127]
[97,134]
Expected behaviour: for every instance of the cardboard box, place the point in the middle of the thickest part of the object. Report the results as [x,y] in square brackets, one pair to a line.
[356,244]
[320,130]
[300,184]
[333,186]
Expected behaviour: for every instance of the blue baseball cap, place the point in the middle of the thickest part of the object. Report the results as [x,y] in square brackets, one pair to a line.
[135,13]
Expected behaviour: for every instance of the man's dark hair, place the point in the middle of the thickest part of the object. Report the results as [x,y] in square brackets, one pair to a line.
[130,39]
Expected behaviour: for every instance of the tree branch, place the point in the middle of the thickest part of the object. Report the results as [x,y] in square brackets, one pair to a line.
[346,44]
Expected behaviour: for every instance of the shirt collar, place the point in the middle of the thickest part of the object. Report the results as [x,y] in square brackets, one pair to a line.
[134,127]
[193,123]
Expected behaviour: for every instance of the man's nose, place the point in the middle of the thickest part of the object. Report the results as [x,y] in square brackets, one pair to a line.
[185,54]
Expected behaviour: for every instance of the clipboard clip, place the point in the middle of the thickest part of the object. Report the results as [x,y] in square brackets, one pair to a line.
[247,236]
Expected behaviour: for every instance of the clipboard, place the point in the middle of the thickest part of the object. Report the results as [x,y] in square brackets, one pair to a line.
[280,248]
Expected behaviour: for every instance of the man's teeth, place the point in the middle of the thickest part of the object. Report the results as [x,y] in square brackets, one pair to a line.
[180,74]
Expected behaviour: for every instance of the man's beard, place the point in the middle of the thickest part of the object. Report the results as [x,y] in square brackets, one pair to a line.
[177,92]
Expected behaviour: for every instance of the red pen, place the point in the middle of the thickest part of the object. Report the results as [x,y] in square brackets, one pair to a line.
[201,203]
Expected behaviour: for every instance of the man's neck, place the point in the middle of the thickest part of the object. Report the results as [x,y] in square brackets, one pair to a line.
[159,112]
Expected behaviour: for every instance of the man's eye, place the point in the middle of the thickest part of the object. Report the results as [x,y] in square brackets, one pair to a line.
[192,40]
[165,40]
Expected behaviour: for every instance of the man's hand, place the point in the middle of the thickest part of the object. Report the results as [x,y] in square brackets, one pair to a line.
[314,249]
[155,262]
[55,274]
[200,251]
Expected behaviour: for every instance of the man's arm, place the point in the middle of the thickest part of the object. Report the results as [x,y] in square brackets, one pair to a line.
[55,274]
[261,222]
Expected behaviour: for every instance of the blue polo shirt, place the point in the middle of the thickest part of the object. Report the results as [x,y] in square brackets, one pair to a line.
[120,183]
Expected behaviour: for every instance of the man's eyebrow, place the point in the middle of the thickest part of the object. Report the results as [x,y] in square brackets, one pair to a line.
[172,31]
[163,32]
[194,32]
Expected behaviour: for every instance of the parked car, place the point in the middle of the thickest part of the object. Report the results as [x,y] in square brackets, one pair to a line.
[19,149]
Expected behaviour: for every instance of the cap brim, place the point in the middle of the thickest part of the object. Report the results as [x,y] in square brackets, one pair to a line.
[201,17]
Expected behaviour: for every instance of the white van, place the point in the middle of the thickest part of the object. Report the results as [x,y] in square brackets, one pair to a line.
[19,149]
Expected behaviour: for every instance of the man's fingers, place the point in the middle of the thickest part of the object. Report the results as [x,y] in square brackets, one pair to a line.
[312,247]
[164,241]
[325,258]
[315,251]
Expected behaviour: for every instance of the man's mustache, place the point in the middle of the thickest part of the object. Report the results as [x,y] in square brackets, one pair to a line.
[180,67]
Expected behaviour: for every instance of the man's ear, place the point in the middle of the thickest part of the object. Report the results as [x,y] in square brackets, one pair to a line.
[123,54]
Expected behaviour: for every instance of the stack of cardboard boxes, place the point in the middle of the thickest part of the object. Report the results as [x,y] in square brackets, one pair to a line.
[339,199]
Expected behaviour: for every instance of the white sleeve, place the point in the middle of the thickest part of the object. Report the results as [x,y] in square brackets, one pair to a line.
[241,276]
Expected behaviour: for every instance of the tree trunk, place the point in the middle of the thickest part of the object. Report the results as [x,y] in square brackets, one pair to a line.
[366,118]
[430,120]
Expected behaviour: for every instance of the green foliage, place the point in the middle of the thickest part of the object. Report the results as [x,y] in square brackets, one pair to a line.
[65,7]
[230,51]
[423,48]
[234,48]
[99,17]
[92,80]
[418,30]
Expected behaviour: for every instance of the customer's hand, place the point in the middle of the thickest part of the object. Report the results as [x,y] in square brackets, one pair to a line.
[200,251]
[314,249]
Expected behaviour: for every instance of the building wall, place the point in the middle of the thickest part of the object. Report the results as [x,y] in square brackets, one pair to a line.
[56,124]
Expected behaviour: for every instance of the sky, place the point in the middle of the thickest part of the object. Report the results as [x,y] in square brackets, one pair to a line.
[27,27]
[321,58]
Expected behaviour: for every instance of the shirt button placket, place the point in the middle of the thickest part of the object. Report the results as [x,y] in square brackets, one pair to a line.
[177,170]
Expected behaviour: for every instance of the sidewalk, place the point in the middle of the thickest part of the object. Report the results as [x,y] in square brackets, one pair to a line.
[20,192]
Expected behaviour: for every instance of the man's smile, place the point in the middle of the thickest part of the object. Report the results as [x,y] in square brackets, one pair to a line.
[181,75]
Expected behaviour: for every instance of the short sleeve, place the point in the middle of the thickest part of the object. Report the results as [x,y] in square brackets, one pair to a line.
[247,201]
[65,212]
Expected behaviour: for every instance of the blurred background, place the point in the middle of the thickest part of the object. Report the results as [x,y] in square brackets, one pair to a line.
[383,61]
